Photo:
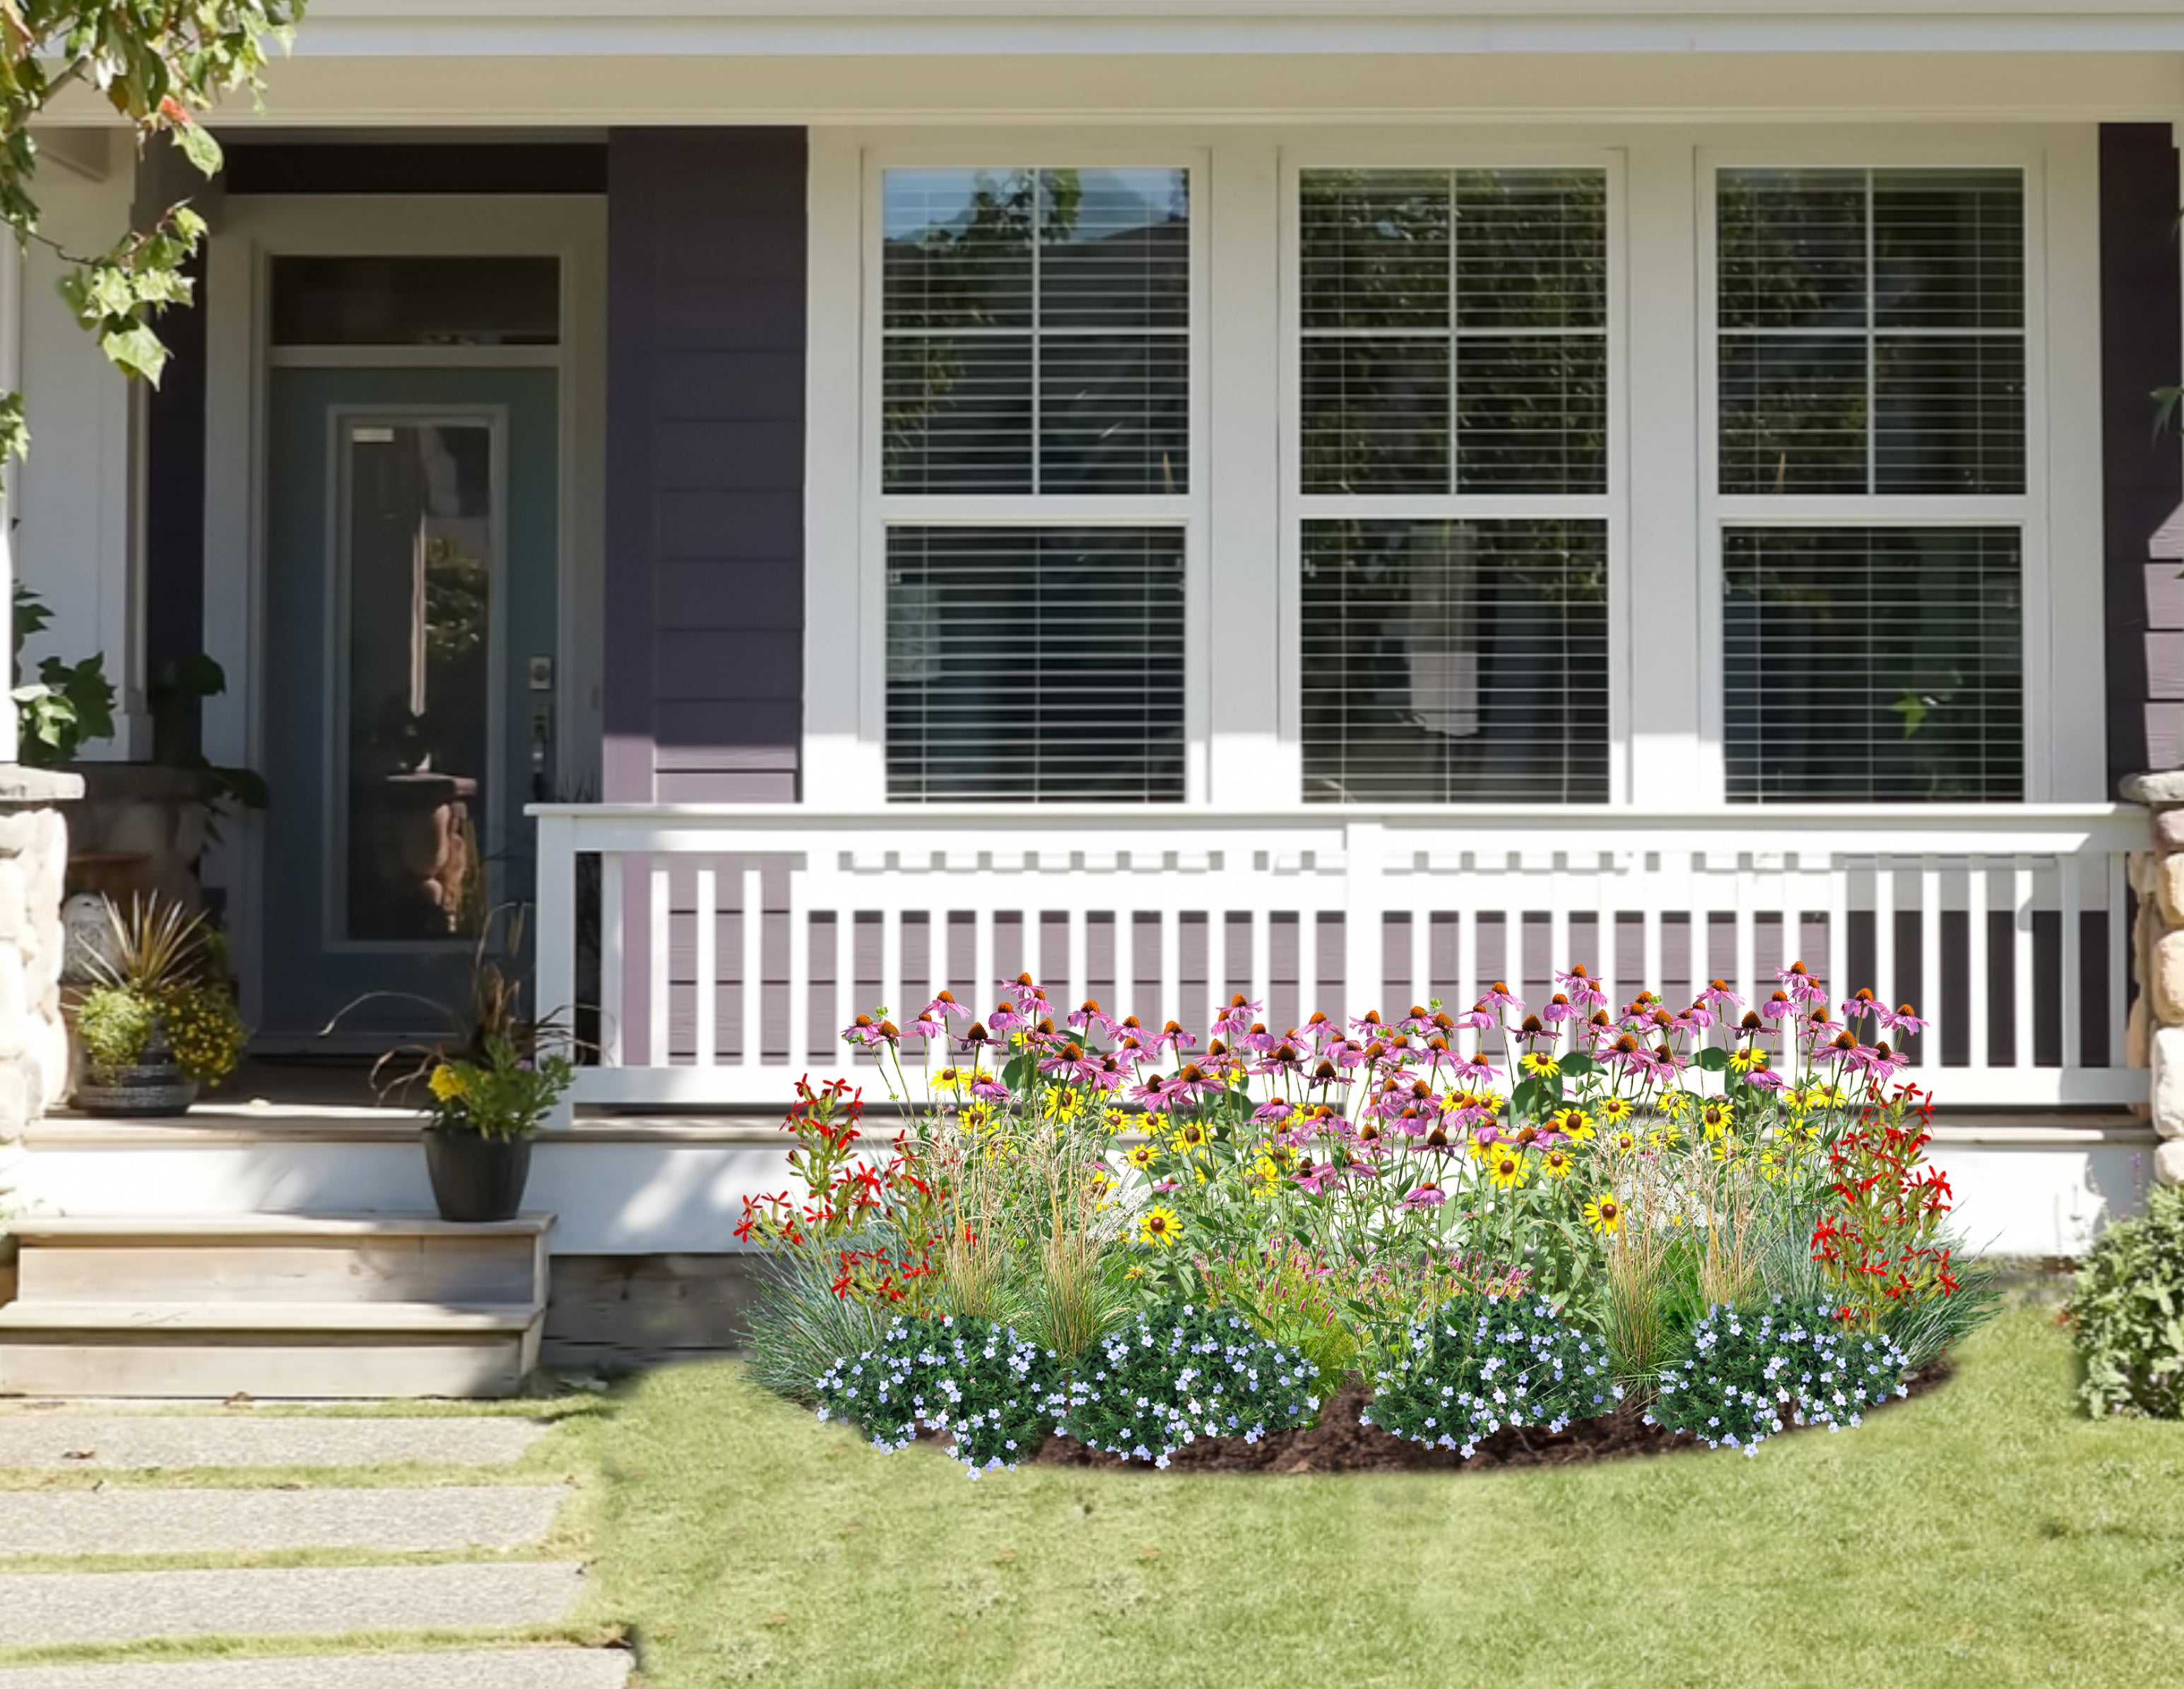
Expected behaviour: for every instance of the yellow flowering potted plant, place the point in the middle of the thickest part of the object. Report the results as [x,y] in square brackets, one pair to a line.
[159,1021]
[486,1109]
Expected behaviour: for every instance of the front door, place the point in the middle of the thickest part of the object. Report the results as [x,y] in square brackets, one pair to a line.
[411,593]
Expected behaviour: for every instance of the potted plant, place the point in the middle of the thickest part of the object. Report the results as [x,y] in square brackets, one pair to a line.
[160,1021]
[489,1085]
[485,1110]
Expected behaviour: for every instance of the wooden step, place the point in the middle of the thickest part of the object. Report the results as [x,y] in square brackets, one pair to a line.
[277,1259]
[339,1349]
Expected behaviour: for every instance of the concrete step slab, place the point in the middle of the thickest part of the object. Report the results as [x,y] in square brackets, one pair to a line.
[131,1521]
[464,1669]
[177,1441]
[43,1608]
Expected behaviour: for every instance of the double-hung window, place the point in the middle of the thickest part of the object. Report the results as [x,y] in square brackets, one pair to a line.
[1870,475]
[1451,484]
[1035,471]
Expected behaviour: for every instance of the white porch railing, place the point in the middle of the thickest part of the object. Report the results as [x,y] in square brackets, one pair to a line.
[1165,912]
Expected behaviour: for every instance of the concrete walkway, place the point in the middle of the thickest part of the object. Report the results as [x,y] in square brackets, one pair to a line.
[503,1669]
[47,1609]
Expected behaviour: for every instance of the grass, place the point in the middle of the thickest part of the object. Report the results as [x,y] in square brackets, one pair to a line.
[1982,1533]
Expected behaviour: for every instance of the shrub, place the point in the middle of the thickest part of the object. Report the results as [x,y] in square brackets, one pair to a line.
[978,1381]
[1486,1362]
[2128,1311]
[1178,1374]
[1751,1373]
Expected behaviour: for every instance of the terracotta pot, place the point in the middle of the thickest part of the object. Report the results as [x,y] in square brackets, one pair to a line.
[476,1178]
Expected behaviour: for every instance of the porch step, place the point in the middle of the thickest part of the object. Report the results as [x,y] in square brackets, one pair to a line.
[274,1258]
[275,1305]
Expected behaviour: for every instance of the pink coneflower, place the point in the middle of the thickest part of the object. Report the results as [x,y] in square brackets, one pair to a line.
[1192,1082]
[1559,1009]
[1089,1015]
[929,1025]
[1071,1062]
[1500,999]
[1030,999]
[1802,987]
[1006,1019]
[1241,1013]
[1426,1196]
[944,1005]
[1903,1021]
[1257,1039]
[1777,1006]
[1534,1030]
[1583,989]
[1472,1069]
[1172,1036]
[864,1030]
[1722,1000]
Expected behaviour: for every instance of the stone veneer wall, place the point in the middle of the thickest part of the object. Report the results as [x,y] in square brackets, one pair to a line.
[2156,1035]
[34,1043]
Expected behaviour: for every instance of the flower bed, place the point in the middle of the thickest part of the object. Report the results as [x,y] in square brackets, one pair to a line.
[1602,1230]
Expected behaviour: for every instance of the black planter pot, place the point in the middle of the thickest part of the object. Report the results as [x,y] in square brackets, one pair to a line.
[477,1178]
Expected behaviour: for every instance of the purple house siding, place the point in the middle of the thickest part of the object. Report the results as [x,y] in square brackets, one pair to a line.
[705,559]
[2142,348]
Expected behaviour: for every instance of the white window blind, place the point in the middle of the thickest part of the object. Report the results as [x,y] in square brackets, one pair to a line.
[1036,345]
[1455,331]
[1454,661]
[1451,485]
[1035,664]
[1871,348]
[1037,331]
[1877,664]
[1872,330]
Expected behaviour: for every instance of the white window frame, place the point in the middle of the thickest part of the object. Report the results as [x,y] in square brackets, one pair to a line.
[1244,715]
[882,510]
[2028,512]
[1610,506]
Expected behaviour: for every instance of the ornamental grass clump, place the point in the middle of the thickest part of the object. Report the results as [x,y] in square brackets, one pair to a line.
[1487,1362]
[1175,1375]
[1752,1373]
[2127,1311]
[978,1384]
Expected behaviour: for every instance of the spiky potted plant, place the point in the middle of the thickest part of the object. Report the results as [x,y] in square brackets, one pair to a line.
[488,1086]
[160,1023]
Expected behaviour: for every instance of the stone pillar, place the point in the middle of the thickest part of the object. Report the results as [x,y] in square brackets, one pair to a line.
[2155,1037]
[34,1043]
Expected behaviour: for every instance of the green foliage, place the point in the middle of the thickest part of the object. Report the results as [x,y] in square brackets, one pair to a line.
[799,1325]
[506,1093]
[115,1024]
[980,1383]
[1485,1362]
[2128,1313]
[158,63]
[1175,1375]
[1752,1373]
[204,1031]
[70,705]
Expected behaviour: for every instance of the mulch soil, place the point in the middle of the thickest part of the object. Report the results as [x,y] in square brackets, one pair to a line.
[1339,1443]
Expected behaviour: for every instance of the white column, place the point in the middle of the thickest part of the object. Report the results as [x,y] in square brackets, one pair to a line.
[1242,628]
[11,380]
[1663,668]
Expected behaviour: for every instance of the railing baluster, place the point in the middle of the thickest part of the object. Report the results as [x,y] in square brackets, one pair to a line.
[1977,905]
[2020,968]
[1169,1006]
[659,923]
[613,992]
[1883,935]
[1927,1002]
[1836,963]
[984,980]
[891,925]
[753,900]
[1740,978]
[1077,985]
[705,1007]
[799,969]
[2072,998]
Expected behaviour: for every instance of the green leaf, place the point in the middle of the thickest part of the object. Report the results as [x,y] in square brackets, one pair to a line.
[135,350]
[197,146]
[1578,1066]
[1712,1059]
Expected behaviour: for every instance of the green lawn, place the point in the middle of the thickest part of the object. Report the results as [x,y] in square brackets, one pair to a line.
[1984,1533]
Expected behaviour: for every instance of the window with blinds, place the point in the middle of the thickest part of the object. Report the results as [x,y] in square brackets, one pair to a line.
[1035,330]
[1876,664]
[1035,664]
[1449,661]
[1871,331]
[1454,330]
